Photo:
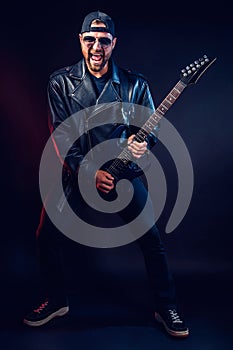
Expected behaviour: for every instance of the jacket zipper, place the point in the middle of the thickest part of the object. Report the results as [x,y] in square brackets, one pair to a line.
[89,143]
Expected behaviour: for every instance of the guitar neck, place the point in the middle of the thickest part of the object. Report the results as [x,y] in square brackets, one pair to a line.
[160,111]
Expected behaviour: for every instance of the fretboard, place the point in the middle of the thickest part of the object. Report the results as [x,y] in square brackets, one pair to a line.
[160,111]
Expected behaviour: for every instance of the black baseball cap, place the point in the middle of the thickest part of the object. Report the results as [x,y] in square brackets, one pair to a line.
[101,16]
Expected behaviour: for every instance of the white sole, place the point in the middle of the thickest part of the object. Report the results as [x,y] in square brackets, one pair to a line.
[58,313]
[170,331]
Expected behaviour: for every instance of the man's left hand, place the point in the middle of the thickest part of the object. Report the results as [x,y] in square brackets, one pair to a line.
[137,149]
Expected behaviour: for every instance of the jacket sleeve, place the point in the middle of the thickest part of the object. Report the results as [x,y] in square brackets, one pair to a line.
[62,128]
[144,98]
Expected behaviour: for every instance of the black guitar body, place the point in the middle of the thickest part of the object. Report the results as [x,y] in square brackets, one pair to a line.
[129,172]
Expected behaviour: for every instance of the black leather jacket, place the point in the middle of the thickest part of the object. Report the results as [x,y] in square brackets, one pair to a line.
[71,90]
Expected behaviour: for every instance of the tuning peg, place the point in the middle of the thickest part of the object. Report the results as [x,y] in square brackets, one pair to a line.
[183,70]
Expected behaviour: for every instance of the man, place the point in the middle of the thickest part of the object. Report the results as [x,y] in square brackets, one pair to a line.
[94,80]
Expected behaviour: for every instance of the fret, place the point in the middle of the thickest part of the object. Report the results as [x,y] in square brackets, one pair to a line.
[167,103]
[176,93]
[161,111]
[155,118]
[149,125]
[154,122]
[170,99]
[162,108]
[149,129]
[158,116]
[180,86]
[144,132]
[142,135]
[172,94]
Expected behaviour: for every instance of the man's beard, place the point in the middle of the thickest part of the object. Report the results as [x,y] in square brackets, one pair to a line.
[96,68]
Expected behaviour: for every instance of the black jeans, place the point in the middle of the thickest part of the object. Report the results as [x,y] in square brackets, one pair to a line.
[50,248]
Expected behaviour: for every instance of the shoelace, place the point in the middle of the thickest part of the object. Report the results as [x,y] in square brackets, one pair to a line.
[175,317]
[41,307]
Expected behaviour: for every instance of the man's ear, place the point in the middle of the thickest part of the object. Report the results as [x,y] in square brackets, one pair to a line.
[114,42]
[80,38]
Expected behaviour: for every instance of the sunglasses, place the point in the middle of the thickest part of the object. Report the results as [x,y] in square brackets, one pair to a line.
[90,40]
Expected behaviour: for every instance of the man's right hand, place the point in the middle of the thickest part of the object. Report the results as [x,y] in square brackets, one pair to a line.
[104,181]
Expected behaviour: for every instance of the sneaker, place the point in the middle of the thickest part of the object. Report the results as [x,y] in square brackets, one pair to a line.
[172,322]
[45,312]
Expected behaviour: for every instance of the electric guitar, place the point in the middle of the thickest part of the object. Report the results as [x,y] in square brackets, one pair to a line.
[124,165]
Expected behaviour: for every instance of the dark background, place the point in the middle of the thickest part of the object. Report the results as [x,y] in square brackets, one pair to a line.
[158,40]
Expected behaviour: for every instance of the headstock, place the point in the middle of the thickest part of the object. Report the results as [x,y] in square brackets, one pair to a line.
[191,73]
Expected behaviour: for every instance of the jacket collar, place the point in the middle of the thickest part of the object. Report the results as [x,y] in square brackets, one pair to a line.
[84,93]
[79,71]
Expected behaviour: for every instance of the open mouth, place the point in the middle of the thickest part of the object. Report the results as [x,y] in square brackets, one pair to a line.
[96,58]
